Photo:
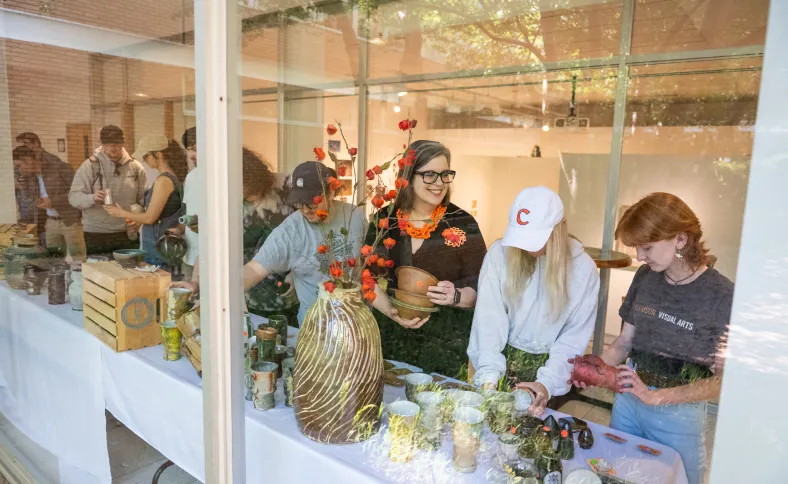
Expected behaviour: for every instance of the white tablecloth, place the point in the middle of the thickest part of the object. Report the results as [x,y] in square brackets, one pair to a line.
[161,401]
[51,386]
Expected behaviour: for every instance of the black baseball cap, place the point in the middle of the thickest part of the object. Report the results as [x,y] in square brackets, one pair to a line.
[309,180]
[111,135]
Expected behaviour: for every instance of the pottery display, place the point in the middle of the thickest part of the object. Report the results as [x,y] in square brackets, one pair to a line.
[129,258]
[25,251]
[408,311]
[413,299]
[414,280]
[338,374]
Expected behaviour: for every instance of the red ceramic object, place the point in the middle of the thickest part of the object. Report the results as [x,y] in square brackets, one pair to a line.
[591,370]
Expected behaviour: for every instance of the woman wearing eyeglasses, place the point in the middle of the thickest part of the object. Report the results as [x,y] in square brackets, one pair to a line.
[437,236]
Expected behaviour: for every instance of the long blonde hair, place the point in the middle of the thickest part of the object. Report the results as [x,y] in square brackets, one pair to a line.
[521,266]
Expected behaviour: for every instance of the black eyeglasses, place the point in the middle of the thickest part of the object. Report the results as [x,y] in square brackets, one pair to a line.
[301,206]
[429,177]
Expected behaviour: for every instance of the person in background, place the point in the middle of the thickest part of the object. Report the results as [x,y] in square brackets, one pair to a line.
[537,301]
[676,317]
[418,223]
[264,209]
[53,179]
[37,215]
[163,202]
[142,154]
[26,192]
[193,198]
[110,167]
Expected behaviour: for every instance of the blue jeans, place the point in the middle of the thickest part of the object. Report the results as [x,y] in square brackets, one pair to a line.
[681,427]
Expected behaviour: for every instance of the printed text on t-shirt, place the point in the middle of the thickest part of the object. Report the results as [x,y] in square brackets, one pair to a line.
[665,317]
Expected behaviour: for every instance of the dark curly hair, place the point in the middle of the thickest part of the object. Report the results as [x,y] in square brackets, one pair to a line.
[257,175]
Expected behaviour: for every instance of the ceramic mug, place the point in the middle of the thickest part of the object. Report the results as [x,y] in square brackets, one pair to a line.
[431,421]
[466,435]
[416,383]
[172,339]
[177,301]
[403,419]
[288,364]
[263,382]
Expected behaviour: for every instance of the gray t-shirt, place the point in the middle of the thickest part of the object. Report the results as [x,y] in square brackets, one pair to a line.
[677,324]
[292,246]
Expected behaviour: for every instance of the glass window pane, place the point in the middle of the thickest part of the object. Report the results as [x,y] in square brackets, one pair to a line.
[431,36]
[678,25]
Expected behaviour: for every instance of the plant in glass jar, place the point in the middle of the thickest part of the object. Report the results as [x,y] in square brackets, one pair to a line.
[338,373]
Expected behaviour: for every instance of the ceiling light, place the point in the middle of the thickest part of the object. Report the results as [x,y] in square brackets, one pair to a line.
[396,109]
[401,14]
[545,128]
[141,94]
[402,93]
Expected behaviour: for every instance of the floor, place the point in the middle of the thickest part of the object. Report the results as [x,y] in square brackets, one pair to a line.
[132,460]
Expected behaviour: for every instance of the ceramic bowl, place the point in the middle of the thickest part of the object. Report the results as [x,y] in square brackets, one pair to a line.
[408,311]
[414,280]
[129,258]
[417,300]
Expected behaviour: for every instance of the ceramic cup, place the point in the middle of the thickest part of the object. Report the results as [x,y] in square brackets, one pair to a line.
[431,422]
[466,434]
[463,398]
[522,400]
[172,339]
[177,301]
[416,383]
[263,382]
[279,321]
[403,419]
[287,373]
[499,411]
[508,448]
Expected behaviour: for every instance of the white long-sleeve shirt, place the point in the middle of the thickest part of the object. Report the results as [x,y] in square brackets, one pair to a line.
[530,327]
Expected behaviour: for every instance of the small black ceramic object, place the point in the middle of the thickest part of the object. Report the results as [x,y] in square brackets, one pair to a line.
[555,430]
[585,439]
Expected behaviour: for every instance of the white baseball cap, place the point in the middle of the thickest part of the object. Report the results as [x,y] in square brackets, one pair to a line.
[148,144]
[534,213]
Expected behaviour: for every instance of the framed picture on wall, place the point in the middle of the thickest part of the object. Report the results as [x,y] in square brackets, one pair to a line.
[348,169]
[334,145]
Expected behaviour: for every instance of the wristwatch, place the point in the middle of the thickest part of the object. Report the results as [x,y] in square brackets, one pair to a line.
[457,297]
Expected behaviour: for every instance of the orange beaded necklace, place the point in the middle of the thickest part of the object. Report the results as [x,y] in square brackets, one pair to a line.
[425,231]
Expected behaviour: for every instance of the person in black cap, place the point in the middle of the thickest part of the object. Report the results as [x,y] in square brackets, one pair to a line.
[292,246]
[109,169]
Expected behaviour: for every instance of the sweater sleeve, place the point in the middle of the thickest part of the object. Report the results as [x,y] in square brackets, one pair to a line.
[490,328]
[572,340]
[81,194]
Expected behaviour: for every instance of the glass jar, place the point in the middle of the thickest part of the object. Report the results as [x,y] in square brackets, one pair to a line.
[25,251]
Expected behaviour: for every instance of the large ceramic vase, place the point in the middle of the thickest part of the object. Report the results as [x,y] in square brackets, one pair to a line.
[338,374]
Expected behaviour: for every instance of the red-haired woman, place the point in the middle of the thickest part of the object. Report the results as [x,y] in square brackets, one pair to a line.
[676,315]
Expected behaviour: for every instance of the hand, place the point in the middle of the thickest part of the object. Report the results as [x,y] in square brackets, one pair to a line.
[132,226]
[192,286]
[44,203]
[289,280]
[540,396]
[629,382]
[442,294]
[99,195]
[178,230]
[414,323]
[115,211]
[576,383]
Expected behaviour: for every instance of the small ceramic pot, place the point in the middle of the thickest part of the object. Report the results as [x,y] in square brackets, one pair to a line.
[129,258]
[414,280]
[288,364]
[403,419]
[416,383]
[466,435]
[263,382]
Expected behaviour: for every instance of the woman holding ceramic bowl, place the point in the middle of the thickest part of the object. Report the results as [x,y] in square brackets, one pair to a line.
[537,302]
[676,317]
[432,234]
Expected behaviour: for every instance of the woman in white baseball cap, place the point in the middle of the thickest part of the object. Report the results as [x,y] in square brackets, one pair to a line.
[537,301]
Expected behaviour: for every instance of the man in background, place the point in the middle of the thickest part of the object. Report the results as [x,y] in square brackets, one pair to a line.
[35,214]
[193,199]
[109,169]
[53,177]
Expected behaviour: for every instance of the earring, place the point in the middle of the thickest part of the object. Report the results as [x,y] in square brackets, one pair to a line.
[678,254]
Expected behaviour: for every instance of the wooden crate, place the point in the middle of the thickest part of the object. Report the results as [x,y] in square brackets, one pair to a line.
[8,231]
[123,307]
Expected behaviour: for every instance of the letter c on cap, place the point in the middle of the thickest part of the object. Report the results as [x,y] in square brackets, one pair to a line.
[522,211]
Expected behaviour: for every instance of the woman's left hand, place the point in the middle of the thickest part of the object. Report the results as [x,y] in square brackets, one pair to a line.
[115,211]
[442,294]
[540,396]
[629,382]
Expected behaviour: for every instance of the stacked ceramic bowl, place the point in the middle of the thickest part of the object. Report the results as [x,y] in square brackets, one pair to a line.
[410,297]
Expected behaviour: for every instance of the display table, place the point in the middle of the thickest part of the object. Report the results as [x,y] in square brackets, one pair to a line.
[56,379]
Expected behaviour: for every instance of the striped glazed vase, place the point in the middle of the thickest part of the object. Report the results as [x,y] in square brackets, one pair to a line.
[338,374]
